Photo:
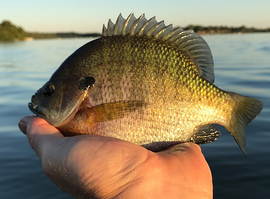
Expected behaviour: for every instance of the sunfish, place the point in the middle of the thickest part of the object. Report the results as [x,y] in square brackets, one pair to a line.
[146,83]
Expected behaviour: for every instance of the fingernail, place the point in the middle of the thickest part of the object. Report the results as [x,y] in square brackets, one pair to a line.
[22,125]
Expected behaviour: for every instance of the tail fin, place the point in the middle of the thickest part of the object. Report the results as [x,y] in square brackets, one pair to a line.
[245,110]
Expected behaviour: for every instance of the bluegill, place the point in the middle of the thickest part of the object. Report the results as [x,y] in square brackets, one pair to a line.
[146,83]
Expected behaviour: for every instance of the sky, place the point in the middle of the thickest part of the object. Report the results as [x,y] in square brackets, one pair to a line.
[84,16]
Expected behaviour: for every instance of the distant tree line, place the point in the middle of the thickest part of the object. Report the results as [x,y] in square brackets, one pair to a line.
[9,32]
[73,34]
[37,35]
[223,29]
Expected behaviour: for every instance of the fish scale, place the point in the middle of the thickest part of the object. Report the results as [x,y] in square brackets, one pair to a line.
[167,86]
[145,83]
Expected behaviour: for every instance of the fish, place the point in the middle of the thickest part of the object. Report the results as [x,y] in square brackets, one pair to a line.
[146,83]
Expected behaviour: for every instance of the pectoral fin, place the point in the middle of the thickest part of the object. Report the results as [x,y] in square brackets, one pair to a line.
[115,110]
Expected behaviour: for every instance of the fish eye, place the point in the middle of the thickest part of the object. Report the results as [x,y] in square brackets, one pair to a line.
[48,90]
[86,82]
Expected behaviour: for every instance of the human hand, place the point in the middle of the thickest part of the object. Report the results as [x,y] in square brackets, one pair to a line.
[88,166]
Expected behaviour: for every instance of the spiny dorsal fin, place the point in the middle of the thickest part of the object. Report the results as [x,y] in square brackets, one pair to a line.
[186,40]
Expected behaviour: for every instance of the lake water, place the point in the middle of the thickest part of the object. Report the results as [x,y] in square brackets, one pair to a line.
[242,65]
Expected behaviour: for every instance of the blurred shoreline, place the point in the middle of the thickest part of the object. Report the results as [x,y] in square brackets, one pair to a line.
[10,32]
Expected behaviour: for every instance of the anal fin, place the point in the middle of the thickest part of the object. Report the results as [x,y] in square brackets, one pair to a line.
[206,134]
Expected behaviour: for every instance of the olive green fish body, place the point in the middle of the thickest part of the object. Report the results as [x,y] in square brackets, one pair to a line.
[144,85]
[160,76]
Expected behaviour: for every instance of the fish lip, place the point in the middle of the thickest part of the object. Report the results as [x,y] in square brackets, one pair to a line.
[33,108]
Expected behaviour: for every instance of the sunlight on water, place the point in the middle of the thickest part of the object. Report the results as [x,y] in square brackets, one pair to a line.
[242,65]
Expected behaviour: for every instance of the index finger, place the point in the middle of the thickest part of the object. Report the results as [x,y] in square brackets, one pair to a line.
[41,135]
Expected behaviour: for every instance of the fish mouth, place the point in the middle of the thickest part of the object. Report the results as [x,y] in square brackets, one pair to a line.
[33,107]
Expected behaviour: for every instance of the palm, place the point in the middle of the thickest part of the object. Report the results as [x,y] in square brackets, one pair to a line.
[110,168]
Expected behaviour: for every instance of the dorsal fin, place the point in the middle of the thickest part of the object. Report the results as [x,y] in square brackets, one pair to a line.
[186,40]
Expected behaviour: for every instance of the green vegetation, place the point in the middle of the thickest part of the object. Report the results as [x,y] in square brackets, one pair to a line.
[37,35]
[9,32]
[73,34]
[224,29]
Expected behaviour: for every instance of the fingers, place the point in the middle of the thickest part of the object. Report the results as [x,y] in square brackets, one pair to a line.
[40,134]
[186,148]
[190,170]
[189,152]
